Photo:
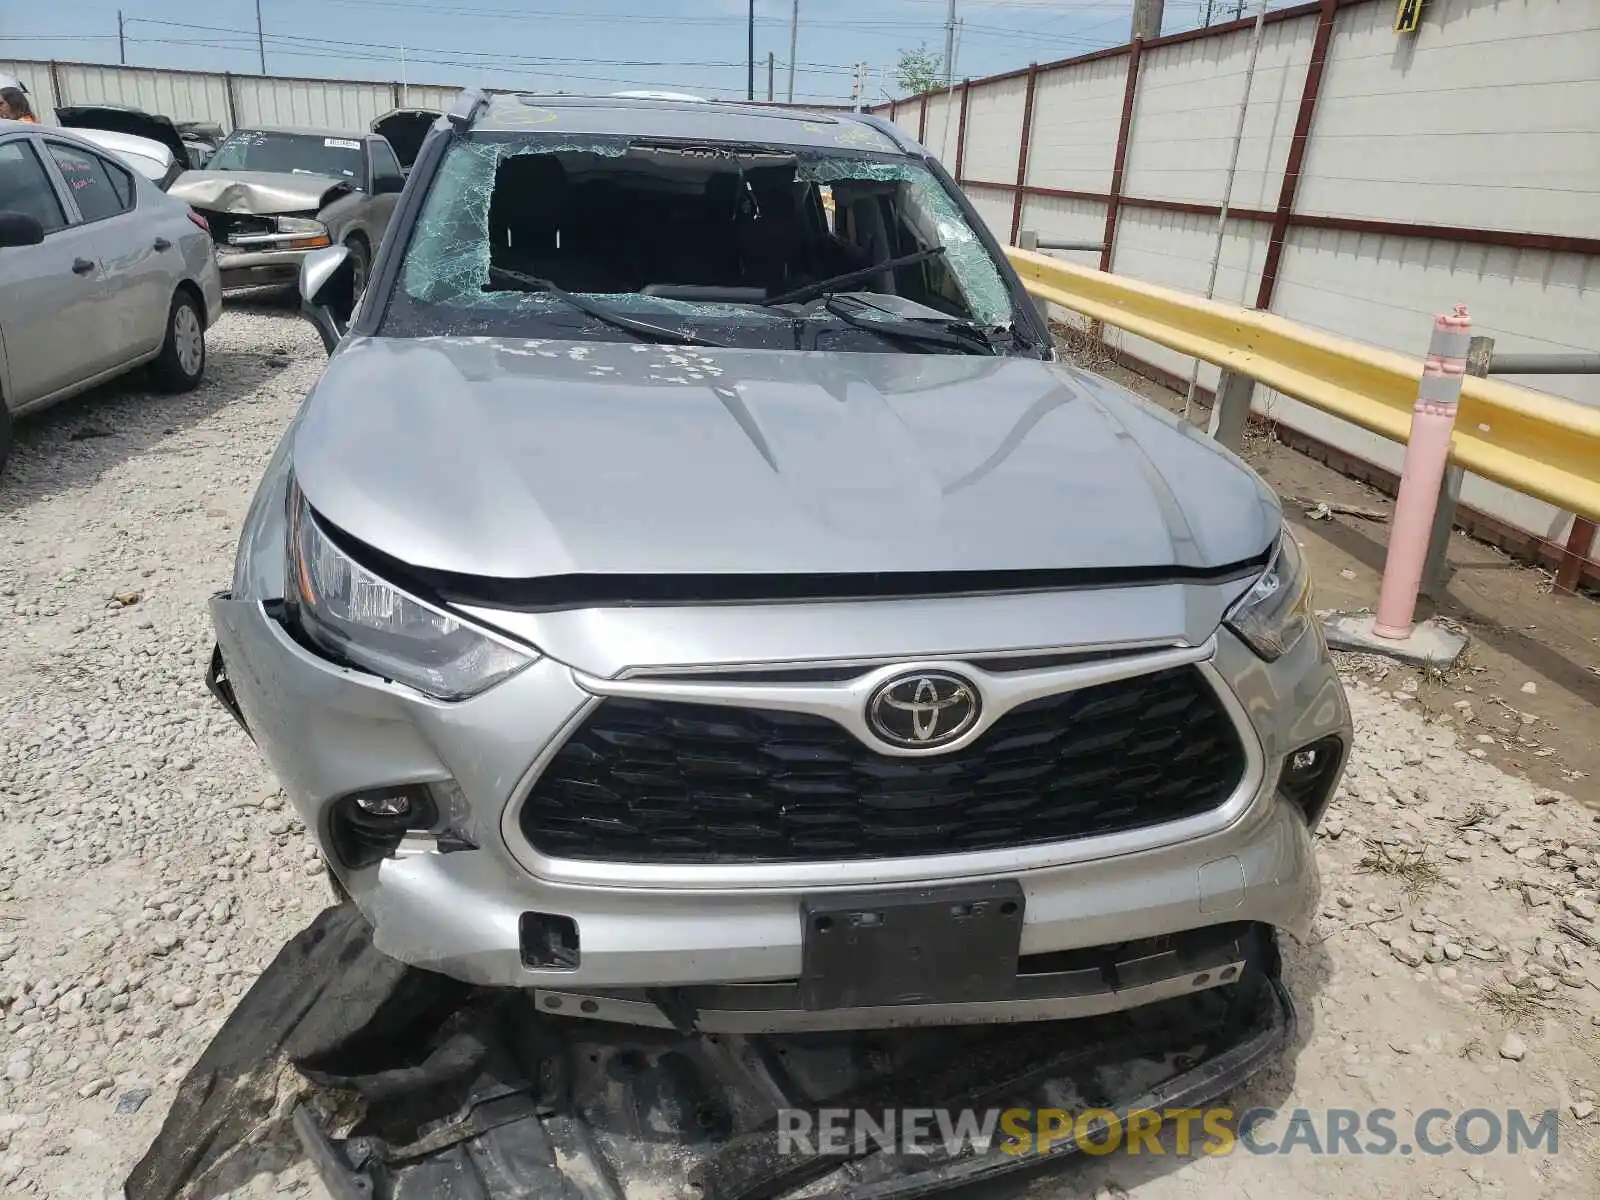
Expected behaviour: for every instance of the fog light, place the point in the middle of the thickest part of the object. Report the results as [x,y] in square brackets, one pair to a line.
[1310,775]
[365,827]
[381,804]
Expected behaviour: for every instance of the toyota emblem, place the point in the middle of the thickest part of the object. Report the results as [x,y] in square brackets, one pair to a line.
[923,711]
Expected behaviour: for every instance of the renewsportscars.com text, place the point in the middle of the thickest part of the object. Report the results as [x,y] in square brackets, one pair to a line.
[1177,1131]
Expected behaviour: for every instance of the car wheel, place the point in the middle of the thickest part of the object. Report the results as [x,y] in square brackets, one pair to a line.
[5,433]
[360,264]
[183,355]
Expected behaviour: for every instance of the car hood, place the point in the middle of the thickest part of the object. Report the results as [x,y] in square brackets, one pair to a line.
[259,193]
[518,460]
[130,121]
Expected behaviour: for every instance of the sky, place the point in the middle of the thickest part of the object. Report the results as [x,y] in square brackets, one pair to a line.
[577,45]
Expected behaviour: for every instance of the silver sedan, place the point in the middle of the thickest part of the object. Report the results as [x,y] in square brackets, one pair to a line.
[100,273]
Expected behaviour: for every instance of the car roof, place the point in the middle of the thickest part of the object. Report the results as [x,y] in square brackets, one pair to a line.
[711,120]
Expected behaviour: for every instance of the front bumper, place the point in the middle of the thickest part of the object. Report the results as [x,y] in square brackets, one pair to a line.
[328,731]
[256,268]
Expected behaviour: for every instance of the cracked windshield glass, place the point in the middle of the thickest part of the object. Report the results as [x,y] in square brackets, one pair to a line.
[719,245]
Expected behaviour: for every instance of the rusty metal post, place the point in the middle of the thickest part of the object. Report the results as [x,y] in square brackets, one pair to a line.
[922,121]
[961,131]
[1436,569]
[1119,161]
[1433,419]
[1022,152]
[1579,544]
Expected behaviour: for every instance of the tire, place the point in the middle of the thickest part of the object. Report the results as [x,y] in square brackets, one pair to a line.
[5,434]
[360,266]
[182,362]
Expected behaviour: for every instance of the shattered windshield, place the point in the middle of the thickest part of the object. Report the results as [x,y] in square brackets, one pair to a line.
[288,153]
[740,244]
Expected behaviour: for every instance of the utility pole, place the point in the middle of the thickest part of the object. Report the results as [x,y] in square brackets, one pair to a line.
[770,63]
[794,36]
[949,43]
[750,54]
[1147,19]
[261,41]
[122,45]
[1209,5]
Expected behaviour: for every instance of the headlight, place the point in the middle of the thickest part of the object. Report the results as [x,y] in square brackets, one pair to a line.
[1276,612]
[350,613]
[309,234]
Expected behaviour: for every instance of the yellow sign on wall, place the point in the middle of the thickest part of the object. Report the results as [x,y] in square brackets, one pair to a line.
[1408,16]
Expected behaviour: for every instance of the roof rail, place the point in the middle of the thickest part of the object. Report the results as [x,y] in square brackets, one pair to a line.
[888,128]
[466,106]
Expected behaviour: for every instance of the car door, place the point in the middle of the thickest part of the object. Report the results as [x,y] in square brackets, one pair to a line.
[385,186]
[49,311]
[136,258]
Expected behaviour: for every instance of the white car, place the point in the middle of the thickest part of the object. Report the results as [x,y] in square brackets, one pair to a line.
[100,273]
[146,156]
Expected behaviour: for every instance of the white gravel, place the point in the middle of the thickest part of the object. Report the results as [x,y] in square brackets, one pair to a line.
[149,867]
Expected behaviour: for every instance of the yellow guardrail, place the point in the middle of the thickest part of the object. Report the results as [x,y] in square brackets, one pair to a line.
[1532,443]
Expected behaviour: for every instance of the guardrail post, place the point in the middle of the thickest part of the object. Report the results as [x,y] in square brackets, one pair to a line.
[1579,543]
[1028,239]
[1230,410]
[1433,419]
[1436,570]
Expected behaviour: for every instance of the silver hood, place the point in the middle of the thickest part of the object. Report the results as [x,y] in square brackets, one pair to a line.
[517,460]
[259,193]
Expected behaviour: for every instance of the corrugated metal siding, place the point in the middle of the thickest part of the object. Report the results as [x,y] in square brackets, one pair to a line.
[330,104]
[994,134]
[319,104]
[179,95]
[35,76]
[1489,117]
[1186,110]
[1075,118]
[944,123]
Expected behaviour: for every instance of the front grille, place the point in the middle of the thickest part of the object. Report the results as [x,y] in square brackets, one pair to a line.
[225,225]
[666,782]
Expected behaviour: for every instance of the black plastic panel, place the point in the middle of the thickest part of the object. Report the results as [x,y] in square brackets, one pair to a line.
[665,782]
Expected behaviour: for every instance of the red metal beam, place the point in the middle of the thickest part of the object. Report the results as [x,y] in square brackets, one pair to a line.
[1510,238]
[961,128]
[1297,152]
[1575,555]
[1022,153]
[1108,241]
[922,122]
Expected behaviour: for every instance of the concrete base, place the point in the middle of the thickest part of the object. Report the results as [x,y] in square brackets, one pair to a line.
[1429,644]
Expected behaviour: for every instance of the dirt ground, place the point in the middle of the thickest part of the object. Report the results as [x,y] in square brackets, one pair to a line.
[149,867]
[1527,691]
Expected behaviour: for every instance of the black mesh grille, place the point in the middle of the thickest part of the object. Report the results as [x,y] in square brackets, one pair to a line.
[665,782]
[225,225]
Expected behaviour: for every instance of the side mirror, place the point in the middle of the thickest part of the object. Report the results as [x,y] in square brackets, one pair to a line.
[388,185]
[328,292]
[19,229]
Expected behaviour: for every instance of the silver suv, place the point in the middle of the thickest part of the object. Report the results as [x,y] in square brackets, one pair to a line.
[696,592]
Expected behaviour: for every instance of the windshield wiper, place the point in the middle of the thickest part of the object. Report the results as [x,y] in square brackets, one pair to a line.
[640,329]
[958,335]
[822,286]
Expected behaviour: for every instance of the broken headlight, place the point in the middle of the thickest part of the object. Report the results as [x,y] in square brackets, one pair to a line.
[308,234]
[1276,612]
[346,611]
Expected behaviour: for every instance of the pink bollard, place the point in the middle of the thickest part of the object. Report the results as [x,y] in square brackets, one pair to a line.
[1427,454]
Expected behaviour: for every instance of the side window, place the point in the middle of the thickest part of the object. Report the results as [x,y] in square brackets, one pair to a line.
[101,189]
[25,188]
[384,163]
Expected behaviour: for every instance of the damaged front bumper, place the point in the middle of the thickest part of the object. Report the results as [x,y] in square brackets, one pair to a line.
[258,267]
[590,1111]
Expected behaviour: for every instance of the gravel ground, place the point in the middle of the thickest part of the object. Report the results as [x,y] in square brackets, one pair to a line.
[149,868]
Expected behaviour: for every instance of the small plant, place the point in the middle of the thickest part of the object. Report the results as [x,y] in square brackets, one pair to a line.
[1411,867]
[1520,1006]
